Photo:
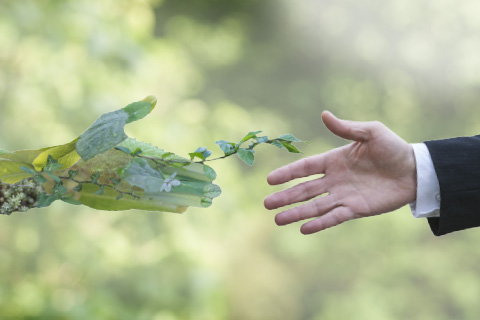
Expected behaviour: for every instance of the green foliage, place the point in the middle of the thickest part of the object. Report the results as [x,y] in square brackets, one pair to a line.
[202,153]
[108,131]
[227,147]
[65,155]
[105,169]
[247,154]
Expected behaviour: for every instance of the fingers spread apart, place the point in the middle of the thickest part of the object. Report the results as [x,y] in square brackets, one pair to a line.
[315,208]
[301,192]
[332,218]
[328,213]
[298,169]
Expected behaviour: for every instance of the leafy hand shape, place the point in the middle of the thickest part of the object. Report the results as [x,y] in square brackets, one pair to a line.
[105,169]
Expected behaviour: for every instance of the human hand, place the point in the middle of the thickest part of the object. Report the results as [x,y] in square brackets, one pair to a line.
[373,175]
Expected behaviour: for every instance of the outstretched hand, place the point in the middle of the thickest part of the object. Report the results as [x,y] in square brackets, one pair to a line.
[374,174]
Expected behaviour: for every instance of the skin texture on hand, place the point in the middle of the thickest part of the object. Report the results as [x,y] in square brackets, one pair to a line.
[374,174]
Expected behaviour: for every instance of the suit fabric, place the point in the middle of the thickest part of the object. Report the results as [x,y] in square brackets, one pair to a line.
[457,164]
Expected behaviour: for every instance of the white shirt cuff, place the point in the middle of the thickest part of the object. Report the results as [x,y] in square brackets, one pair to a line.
[427,204]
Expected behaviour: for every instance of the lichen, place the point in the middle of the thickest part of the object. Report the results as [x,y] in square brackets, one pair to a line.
[19,197]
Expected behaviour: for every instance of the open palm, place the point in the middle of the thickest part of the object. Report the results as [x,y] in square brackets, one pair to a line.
[374,174]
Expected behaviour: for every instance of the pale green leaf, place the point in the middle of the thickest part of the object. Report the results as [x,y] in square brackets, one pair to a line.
[246,155]
[103,135]
[108,131]
[226,146]
[110,200]
[289,137]
[44,200]
[66,155]
[70,200]
[138,110]
[250,135]
[139,173]
[11,172]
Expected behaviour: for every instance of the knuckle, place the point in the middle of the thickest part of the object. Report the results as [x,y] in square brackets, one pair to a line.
[305,212]
[337,217]
[317,207]
[377,126]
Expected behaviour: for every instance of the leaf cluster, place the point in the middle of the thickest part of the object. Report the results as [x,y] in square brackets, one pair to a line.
[244,149]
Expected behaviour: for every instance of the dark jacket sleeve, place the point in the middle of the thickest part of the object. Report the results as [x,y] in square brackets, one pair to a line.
[457,164]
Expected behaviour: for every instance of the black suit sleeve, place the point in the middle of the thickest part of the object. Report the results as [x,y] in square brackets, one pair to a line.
[457,164]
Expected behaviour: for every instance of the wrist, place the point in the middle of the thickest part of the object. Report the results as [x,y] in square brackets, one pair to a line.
[411,170]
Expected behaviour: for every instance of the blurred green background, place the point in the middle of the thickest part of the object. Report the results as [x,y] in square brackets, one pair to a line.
[220,69]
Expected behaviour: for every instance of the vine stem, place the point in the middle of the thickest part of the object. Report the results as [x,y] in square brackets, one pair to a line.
[223,157]
[233,153]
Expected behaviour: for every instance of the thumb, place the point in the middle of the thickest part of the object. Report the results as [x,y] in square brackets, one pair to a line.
[351,130]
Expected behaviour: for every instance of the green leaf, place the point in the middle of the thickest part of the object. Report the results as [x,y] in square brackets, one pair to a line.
[202,153]
[65,154]
[54,177]
[78,188]
[246,155]
[123,149]
[147,149]
[138,110]
[290,147]
[44,200]
[59,189]
[70,200]
[28,170]
[10,171]
[277,143]
[24,156]
[263,139]
[109,201]
[100,191]
[39,178]
[166,155]
[52,164]
[108,131]
[250,135]
[212,191]
[289,137]
[72,173]
[94,177]
[140,174]
[226,146]
[103,135]
[194,155]
[137,152]
[209,172]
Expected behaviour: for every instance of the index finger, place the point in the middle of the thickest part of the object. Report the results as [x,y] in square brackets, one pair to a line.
[298,169]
